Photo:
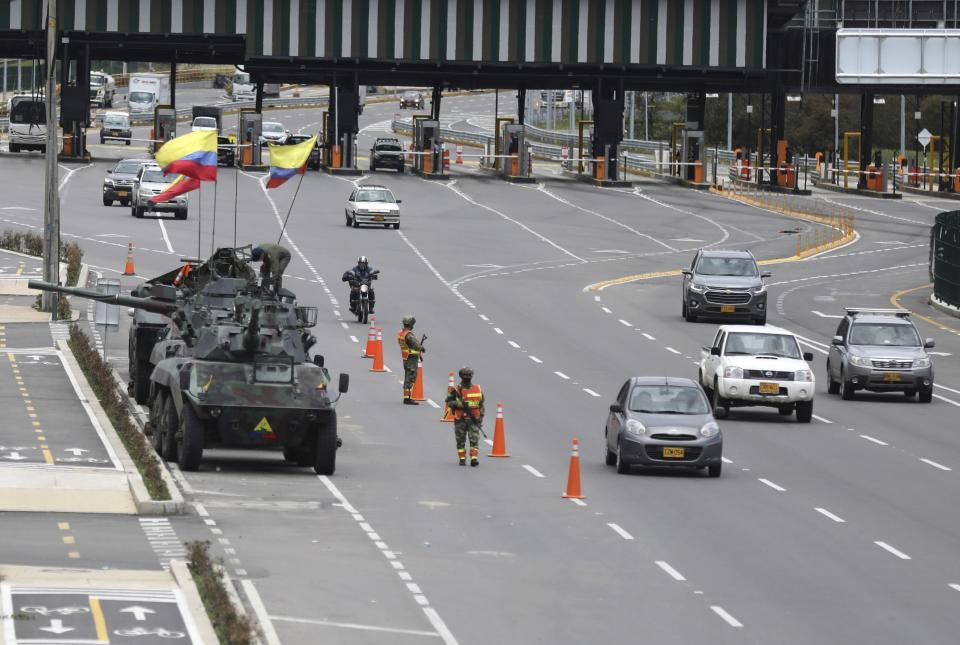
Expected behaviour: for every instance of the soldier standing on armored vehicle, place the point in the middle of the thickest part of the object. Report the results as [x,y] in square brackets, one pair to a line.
[273,260]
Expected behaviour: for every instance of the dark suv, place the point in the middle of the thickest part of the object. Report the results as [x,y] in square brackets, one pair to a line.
[724,284]
[411,100]
[386,153]
[118,184]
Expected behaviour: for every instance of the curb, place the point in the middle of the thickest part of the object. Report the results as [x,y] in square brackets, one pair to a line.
[191,595]
[944,307]
[929,193]
[144,503]
[857,191]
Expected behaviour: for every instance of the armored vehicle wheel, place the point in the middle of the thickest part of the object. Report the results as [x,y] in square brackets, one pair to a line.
[168,429]
[324,445]
[190,444]
[156,416]
[141,381]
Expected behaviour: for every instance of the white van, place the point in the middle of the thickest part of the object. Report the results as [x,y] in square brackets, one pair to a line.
[28,123]
[147,91]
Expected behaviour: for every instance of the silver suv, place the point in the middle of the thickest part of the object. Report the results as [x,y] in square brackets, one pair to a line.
[879,350]
[151,181]
[724,284]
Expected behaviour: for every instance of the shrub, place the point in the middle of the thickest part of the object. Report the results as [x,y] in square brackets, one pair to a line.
[101,381]
[231,627]
[72,254]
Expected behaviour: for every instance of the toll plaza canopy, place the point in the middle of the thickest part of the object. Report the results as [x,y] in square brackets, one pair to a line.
[667,43]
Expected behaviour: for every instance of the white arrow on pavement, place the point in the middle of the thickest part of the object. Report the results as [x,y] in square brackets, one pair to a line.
[56,627]
[76,451]
[823,315]
[15,456]
[140,613]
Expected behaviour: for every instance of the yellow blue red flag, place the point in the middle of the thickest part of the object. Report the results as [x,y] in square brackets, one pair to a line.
[178,186]
[287,161]
[193,155]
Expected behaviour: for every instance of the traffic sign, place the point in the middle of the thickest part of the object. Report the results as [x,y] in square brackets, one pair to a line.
[924,138]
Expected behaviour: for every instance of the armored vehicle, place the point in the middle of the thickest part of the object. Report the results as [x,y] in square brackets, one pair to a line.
[233,370]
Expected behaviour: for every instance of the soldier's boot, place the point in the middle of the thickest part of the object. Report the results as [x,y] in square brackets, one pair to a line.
[407,400]
[462,454]
[473,457]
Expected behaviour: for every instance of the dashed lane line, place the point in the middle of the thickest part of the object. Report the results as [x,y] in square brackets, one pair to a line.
[625,323]
[534,359]
[533,471]
[874,440]
[648,336]
[893,550]
[730,620]
[562,375]
[513,344]
[619,531]
[821,419]
[930,462]
[670,571]
[954,586]
[672,350]
[832,516]
[767,482]
[591,392]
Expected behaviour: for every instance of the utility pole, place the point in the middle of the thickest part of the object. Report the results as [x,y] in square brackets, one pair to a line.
[730,121]
[51,202]
[646,119]
[903,125]
[633,110]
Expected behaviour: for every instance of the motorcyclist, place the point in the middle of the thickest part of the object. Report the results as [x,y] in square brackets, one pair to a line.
[354,276]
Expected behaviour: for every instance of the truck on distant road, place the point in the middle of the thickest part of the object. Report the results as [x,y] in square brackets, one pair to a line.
[102,89]
[207,117]
[28,122]
[147,91]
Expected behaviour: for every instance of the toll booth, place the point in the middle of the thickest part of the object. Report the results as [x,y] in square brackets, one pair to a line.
[427,148]
[786,170]
[251,124]
[516,162]
[340,130]
[164,126]
[686,152]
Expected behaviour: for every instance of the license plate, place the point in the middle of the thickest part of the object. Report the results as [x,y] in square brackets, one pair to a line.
[727,309]
[115,132]
[378,218]
[123,194]
[769,388]
[891,376]
[673,453]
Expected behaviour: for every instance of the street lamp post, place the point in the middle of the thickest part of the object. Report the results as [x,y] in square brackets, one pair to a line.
[51,202]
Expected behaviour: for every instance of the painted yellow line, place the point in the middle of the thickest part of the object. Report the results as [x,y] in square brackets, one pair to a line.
[98,619]
[20,269]
[48,456]
[73,555]
[63,526]
[36,424]
[895,301]
[69,539]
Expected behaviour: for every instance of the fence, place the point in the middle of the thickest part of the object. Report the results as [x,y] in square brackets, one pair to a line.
[945,257]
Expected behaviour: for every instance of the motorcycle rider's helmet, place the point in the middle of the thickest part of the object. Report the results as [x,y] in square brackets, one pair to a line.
[362,262]
[409,321]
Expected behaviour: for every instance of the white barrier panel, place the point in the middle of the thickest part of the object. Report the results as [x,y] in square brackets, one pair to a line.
[898,56]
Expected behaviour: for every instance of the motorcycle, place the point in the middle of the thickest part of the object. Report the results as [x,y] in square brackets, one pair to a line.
[360,290]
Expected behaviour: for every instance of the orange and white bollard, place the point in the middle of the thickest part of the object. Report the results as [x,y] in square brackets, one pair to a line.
[417,394]
[447,412]
[499,441]
[378,354]
[459,159]
[128,269]
[371,339]
[573,477]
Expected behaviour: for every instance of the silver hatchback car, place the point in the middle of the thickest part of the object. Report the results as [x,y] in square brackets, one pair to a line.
[663,421]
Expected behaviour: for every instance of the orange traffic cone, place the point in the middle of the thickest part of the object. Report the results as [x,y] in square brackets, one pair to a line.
[573,478]
[459,159]
[447,412]
[378,353]
[128,269]
[417,394]
[499,443]
[371,339]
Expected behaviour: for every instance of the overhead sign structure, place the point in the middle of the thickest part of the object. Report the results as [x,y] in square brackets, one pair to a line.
[898,56]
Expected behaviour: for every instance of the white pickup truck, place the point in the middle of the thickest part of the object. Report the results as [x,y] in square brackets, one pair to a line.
[749,365]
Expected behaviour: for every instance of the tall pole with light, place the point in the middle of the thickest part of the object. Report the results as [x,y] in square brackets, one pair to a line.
[51,201]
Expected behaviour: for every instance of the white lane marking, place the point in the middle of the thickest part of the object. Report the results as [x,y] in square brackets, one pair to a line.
[625,323]
[440,626]
[533,471]
[945,399]
[821,419]
[935,464]
[578,502]
[433,403]
[453,289]
[453,186]
[488,442]
[345,325]
[648,336]
[886,547]
[673,573]
[498,330]
[954,586]
[876,441]
[369,628]
[823,315]
[562,375]
[769,483]
[720,611]
[873,212]
[166,239]
[619,531]
[535,359]
[484,318]
[672,350]
[259,609]
[725,460]
[596,298]
[354,339]
[826,513]
[201,509]
[591,392]
[513,344]
[606,310]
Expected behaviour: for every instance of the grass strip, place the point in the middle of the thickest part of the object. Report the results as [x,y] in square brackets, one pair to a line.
[232,628]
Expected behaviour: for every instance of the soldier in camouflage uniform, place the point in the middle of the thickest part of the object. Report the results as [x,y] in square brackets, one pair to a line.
[274,260]
[466,401]
[410,351]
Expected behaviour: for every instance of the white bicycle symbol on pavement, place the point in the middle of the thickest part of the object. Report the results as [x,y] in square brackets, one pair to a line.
[57,611]
[143,631]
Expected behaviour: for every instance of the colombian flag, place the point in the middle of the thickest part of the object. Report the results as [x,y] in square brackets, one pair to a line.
[193,155]
[178,186]
[287,161]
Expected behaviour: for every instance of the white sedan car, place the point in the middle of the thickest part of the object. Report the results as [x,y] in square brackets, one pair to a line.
[372,205]
[273,132]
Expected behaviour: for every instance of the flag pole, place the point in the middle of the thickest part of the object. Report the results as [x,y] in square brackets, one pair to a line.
[290,210]
[199,216]
[213,233]
[236,190]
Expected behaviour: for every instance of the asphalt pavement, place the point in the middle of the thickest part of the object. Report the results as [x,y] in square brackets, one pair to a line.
[839,531]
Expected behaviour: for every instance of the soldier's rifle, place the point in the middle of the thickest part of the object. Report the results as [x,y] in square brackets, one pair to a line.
[423,339]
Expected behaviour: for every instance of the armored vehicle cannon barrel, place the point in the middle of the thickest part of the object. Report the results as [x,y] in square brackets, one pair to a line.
[152,304]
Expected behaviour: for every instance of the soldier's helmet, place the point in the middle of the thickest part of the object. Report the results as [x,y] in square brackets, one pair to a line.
[466,372]
[409,321]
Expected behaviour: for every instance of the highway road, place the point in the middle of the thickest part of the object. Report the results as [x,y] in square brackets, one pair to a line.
[840,531]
